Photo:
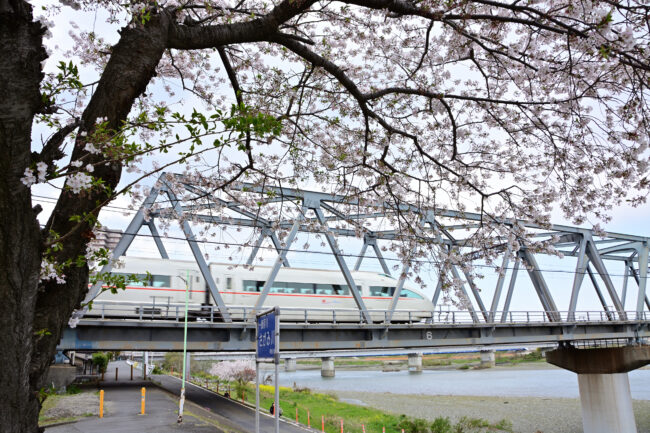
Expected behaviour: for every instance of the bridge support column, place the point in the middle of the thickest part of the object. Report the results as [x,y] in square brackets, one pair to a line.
[415,363]
[604,386]
[327,367]
[290,364]
[488,359]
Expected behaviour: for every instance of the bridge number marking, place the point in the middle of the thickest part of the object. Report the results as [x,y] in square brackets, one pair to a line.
[428,335]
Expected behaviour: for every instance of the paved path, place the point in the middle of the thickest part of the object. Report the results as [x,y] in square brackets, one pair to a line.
[123,373]
[235,412]
[122,408]
[216,414]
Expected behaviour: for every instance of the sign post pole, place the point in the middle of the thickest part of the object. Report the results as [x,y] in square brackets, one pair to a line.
[277,362]
[267,334]
[257,385]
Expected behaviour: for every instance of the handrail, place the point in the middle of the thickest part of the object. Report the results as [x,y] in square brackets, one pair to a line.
[210,313]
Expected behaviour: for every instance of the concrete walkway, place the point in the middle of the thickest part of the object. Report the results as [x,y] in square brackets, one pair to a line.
[205,411]
[123,373]
[122,414]
[237,413]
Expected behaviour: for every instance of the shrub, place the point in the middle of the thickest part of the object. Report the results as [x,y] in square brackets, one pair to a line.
[100,359]
[173,359]
[504,424]
[478,425]
[416,425]
[73,389]
[441,425]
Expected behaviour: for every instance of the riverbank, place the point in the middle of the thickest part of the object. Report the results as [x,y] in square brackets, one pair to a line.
[442,361]
[527,414]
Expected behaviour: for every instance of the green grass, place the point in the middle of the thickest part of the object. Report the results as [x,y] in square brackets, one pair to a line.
[328,408]
[50,402]
[535,356]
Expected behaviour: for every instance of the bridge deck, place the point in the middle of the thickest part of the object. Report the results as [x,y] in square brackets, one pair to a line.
[167,335]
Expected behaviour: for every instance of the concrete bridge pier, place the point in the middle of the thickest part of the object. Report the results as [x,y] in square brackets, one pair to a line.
[603,382]
[290,364]
[488,359]
[327,367]
[415,363]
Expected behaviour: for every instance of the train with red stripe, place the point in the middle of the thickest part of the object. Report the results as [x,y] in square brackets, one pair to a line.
[162,284]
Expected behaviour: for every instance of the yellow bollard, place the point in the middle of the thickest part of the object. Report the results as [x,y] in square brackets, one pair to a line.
[144,391]
[101,403]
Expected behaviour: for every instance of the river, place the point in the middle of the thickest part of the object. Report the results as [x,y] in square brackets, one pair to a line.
[499,381]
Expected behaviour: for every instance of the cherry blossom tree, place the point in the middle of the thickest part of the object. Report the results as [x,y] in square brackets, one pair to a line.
[241,371]
[515,108]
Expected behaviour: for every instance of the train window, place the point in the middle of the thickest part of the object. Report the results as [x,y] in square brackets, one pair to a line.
[409,294]
[332,289]
[279,287]
[148,281]
[301,288]
[228,283]
[250,286]
[160,281]
[382,291]
[142,279]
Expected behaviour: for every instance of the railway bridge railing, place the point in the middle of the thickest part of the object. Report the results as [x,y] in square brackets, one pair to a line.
[145,328]
[147,311]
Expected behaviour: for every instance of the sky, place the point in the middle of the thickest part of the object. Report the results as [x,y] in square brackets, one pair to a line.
[625,219]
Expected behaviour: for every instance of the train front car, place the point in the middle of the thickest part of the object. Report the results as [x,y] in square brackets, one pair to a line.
[158,292]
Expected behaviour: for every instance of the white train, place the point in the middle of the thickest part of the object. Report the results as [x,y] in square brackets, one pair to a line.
[321,294]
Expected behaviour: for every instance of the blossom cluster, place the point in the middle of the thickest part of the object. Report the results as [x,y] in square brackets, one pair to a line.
[49,271]
[240,370]
[30,178]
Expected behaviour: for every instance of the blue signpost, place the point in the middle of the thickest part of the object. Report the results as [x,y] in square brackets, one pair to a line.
[267,334]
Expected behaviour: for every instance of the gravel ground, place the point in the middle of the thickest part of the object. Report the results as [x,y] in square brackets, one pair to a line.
[527,414]
[77,405]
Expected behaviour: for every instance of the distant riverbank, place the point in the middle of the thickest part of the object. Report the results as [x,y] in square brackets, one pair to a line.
[516,381]
[527,414]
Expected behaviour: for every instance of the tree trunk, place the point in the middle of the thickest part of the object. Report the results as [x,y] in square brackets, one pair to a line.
[33,316]
[21,52]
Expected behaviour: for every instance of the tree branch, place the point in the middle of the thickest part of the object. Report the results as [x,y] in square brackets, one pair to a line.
[52,150]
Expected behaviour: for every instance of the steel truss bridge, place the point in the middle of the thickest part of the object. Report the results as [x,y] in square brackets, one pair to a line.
[485,322]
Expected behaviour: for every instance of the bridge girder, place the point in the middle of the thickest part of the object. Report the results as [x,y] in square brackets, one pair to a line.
[437,227]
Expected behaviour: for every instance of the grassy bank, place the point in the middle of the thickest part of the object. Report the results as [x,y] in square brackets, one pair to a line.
[458,360]
[325,411]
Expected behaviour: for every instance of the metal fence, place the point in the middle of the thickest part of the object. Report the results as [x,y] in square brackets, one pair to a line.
[211,314]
